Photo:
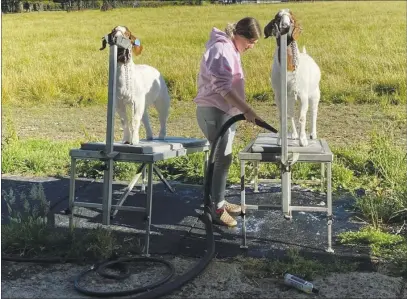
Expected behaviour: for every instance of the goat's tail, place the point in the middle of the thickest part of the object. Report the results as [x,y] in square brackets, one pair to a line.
[303,50]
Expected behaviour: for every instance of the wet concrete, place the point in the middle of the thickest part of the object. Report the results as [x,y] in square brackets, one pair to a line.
[176,228]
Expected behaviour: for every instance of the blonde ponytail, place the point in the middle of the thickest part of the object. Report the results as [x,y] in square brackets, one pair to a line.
[230,30]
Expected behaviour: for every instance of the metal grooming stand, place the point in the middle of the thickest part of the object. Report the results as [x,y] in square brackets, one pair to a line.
[147,153]
[265,148]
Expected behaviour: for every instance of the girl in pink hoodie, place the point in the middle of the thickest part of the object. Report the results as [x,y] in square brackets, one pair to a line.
[221,95]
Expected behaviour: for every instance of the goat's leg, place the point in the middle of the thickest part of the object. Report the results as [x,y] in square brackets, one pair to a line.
[163,107]
[137,114]
[303,119]
[147,126]
[294,134]
[314,100]
[291,116]
[121,110]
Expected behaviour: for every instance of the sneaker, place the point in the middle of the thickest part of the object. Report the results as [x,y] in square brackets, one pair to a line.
[222,217]
[232,208]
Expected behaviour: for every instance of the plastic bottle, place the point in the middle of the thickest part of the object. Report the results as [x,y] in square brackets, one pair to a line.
[299,283]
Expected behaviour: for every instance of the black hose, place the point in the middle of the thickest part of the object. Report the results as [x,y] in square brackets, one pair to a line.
[101,271]
[161,288]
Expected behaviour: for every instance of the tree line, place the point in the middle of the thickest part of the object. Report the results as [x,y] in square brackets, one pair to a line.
[20,6]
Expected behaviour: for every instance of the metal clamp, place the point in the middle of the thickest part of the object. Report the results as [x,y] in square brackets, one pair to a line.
[286,165]
[120,41]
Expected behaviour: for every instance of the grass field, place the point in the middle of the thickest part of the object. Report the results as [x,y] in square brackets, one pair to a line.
[55,57]
[54,89]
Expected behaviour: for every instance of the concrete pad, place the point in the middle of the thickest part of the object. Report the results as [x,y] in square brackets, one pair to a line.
[268,230]
[173,214]
[176,227]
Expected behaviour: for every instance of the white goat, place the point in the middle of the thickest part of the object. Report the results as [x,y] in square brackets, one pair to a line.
[138,86]
[303,75]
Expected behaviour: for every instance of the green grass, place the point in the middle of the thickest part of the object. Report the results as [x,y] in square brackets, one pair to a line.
[54,56]
[389,247]
[37,157]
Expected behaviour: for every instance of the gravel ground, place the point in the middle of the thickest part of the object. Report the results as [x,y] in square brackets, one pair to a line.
[221,279]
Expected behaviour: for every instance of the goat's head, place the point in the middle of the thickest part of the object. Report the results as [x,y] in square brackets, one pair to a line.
[124,55]
[284,22]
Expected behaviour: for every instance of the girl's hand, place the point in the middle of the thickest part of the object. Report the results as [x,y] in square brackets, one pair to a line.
[251,116]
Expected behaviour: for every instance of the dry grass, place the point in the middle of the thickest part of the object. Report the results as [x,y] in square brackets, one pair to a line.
[340,125]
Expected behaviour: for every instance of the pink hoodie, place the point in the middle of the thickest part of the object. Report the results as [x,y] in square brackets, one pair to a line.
[220,72]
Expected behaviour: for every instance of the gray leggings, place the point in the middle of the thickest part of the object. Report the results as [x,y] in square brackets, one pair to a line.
[210,119]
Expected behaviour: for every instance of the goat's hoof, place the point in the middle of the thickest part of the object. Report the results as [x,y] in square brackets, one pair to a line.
[150,138]
[303,142]
[126,142]
[313,136]
[294,136]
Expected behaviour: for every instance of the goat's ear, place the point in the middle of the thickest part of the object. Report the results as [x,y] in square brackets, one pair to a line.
[137,50]
[297,27]
[268,30]
[296,32]
[137,47]
[103,44]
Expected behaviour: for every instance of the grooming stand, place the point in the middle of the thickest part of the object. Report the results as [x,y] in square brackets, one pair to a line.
[265,148]
[147,153]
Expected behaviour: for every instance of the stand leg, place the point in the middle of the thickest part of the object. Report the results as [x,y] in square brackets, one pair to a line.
[329,203]
[322,177]
[107,191]
[243,202]
[148,206]
[256,176]
[72,192]
[143,180]
[286,190]
[162,178]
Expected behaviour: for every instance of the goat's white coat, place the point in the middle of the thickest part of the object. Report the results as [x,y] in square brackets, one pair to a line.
[137,87]
[308,76]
